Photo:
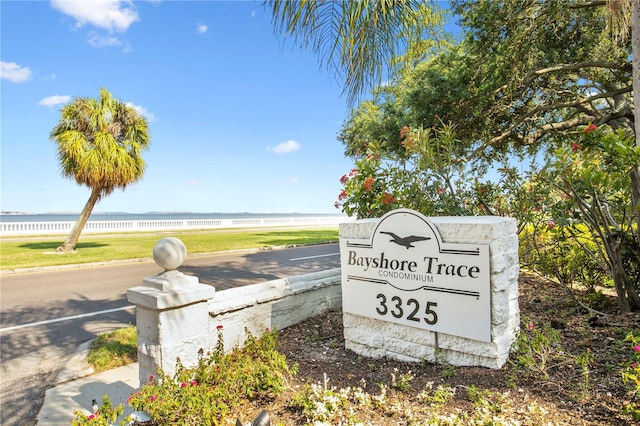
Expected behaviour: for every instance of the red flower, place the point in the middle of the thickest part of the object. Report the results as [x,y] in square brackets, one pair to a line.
[343,179]
[531,326]
[183,384]
[575,147]
[154,397]
[590,128]
[151,378]
[439,191]
[387,198]
[551,224]
[404,132]
[194,383]
[368,183]
[336,205]
[219,327]
[91,417]
[342,194]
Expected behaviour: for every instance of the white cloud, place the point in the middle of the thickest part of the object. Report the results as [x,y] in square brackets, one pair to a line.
[143,111]
[50,101]
[14,72]
[284,147]
[111,15]
[96,40]
[201,28]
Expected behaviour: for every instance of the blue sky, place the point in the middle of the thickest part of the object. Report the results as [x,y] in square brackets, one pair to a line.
[239,120]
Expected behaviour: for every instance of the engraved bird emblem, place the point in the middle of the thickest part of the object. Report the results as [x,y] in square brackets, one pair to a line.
[406,241]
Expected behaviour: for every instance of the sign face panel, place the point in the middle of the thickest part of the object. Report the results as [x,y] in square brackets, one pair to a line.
[405,274]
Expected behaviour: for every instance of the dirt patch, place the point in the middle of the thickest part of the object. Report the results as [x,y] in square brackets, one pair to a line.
[564,394]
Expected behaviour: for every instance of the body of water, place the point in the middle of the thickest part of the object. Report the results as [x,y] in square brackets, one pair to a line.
[96,217]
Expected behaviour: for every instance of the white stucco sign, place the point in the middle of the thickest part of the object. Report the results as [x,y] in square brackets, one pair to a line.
[405,274]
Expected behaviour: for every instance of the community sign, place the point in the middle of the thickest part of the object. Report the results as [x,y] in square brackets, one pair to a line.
[405,274]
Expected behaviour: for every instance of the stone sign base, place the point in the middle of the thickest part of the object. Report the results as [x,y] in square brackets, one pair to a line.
[378,338]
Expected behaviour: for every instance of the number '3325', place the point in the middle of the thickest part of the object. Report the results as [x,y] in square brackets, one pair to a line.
[396,307]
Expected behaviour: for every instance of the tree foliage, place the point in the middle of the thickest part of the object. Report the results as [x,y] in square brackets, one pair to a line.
[358,40]
[525,71]
[529,84]
[99,144]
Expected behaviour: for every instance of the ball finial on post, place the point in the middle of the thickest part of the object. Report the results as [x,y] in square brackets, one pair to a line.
[169,253]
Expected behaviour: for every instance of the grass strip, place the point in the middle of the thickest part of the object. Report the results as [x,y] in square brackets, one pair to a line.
[19,253]
[114,349]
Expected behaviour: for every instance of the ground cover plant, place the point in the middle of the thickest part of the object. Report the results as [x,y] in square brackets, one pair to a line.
[32,252]
[570,366]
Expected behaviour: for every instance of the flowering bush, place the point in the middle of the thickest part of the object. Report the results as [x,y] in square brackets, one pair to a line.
[428,177]
[105,415]
[204,394]
[536,347]
[631,375]
[366,189]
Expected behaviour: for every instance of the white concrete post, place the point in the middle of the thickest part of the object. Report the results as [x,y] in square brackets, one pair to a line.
[172,314]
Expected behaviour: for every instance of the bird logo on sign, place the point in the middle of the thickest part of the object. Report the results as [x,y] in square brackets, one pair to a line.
[405,241]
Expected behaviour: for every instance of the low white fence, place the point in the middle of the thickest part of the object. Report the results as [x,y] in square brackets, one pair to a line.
[63,227]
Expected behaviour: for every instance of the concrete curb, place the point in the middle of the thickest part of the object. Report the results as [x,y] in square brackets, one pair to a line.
[75,366]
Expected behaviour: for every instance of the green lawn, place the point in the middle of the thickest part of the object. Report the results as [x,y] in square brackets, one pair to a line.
[28,252]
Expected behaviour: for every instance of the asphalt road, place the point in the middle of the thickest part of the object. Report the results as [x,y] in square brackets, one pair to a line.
[45,316]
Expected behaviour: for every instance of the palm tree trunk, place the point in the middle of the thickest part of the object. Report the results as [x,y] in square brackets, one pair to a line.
[70,242]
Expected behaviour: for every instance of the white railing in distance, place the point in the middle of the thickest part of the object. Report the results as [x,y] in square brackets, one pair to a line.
[95,227]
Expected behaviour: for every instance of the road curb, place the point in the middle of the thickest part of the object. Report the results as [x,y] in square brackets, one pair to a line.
[75,366]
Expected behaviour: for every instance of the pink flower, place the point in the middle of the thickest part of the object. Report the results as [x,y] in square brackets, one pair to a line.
[154,397]
[551,224]
[575,147]
[343,179]
[531,326]
[194,383]
[91,417]
[636,348]
[151,378]
[183,384]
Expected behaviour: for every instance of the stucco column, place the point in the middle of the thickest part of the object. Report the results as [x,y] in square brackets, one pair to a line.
[171,314]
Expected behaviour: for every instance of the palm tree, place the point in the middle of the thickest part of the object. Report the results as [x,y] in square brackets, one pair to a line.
[357,39]
[99,144]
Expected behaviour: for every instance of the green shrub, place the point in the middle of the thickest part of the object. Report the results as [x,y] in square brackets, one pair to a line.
[204,394]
